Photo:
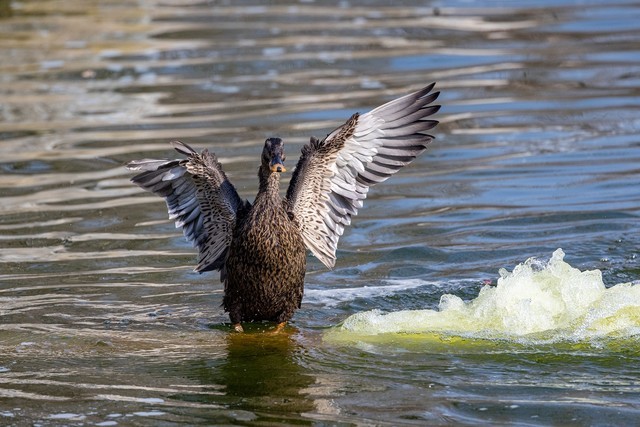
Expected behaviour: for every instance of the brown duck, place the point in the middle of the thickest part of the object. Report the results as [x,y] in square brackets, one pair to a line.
[260,248]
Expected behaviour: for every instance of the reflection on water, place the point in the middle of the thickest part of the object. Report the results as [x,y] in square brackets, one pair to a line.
[102,320]
[259,376]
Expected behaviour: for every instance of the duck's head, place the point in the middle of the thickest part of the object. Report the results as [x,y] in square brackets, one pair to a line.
[273,155]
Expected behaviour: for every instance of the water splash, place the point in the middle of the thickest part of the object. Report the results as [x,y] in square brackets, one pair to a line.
[536,302]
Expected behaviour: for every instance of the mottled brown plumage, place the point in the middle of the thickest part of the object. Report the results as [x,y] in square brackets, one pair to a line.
[260,248]
[267,258]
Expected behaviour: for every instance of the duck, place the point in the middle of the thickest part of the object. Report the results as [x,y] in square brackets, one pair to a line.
[260,248]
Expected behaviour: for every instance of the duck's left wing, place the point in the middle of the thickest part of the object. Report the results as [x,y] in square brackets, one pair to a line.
[333,176]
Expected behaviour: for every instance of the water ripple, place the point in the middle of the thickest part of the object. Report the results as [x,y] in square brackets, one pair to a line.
[103,319]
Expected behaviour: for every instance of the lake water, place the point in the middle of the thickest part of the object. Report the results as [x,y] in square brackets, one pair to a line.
[431,315]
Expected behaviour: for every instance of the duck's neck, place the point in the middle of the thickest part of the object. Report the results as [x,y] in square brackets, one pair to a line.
[269,189]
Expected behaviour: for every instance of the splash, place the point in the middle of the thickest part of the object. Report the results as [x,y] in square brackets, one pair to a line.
[536,302]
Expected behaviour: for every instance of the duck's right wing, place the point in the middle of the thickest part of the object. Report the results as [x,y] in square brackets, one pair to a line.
[199,197]
[333,176]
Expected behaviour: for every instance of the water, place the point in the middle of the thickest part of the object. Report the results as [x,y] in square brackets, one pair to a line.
[103,321]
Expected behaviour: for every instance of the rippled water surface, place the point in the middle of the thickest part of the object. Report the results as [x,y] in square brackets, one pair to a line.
[103,322]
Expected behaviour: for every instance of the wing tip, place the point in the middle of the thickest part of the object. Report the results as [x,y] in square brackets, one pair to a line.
[133,165]
[429,87]
[182,148]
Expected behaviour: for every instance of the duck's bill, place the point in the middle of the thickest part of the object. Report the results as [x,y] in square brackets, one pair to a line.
[277,166]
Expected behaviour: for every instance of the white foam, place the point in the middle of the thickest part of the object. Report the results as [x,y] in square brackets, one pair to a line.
[333,297]
[149,413]
[67,416]
[538,301]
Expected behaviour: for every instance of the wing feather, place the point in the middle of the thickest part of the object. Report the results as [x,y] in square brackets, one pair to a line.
[333,176]
[199,198]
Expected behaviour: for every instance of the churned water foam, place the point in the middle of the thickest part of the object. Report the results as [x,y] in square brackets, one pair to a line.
[537,302]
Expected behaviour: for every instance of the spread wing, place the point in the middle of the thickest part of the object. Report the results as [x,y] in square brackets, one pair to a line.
[199,197]
[333,176]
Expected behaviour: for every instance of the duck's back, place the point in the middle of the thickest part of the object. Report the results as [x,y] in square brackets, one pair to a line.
[265,268]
